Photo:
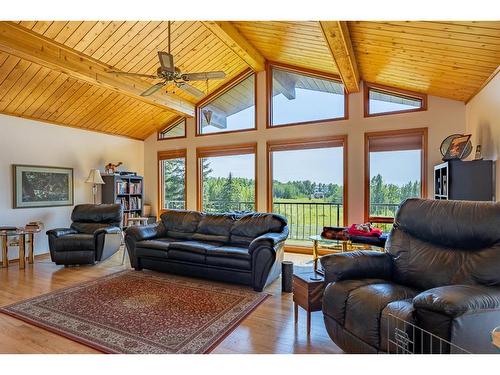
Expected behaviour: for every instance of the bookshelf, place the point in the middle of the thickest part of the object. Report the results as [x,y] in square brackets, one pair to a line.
[126,190]
[465,180]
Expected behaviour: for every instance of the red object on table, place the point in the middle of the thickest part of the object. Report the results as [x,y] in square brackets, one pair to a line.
[374,232]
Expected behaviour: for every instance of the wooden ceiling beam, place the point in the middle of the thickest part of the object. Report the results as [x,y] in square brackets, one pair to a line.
[23,43]
[231,37]
[337,37]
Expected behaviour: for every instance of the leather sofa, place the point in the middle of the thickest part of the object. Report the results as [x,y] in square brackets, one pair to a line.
[236,248]
[94,235]
[440,271]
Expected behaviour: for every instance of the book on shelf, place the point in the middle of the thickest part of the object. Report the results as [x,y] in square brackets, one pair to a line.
[135,188]
[121,187]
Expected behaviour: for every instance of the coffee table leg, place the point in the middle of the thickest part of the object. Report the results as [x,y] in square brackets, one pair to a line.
[296,312]
[308,322]
[22,252]
[31,248]
[5,259]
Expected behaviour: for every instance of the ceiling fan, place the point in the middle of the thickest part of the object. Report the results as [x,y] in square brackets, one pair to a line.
[167,72]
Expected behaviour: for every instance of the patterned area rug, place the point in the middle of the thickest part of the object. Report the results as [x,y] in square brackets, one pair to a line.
[142,312]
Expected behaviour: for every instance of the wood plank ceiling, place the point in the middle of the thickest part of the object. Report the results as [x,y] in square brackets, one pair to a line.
[447,59]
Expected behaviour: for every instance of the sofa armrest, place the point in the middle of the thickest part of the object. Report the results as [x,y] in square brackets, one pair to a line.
[458,300]
[270,239]
[145,232]
[60,232]
[357,265]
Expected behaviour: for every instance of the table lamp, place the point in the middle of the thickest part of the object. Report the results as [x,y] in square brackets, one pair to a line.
[95,179]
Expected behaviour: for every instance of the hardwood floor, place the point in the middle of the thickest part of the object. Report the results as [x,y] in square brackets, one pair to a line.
[269,329]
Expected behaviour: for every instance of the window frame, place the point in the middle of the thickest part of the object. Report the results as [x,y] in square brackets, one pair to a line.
[221,91]
[172,124]
[368,86]
[167,155]
[307,144]
[229,150]
[423,132]
[305,72]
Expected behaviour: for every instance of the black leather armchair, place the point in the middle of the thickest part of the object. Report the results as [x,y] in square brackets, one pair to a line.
[94,235]
[440,271]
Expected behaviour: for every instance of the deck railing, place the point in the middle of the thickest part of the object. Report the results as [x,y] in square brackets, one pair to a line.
[304,218]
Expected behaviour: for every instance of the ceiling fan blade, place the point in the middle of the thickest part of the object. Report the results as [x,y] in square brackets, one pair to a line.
[191,90]
[153,89]
[132,74]
[166,61]
[203,76]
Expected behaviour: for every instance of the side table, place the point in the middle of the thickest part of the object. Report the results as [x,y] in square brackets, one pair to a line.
[307,293]
[21,233]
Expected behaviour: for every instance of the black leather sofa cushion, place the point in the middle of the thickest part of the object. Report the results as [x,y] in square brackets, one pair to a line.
[394,315]
[215,227]
[365,304]
[229,262]
[75,242]
[149,252]
[230,251]
[88,228]
[157,244]
[181,224]
[250,226]
[186,256]
[197,247]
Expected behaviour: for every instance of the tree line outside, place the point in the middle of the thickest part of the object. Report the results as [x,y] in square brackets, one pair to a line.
[308,205]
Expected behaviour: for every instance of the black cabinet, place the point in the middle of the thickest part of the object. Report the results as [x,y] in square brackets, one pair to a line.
[465,180]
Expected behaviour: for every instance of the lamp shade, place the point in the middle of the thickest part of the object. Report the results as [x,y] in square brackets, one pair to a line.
[94,177]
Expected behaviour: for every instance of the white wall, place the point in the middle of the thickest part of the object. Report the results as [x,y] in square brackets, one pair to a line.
[443,117]
[483,122]
[31,142]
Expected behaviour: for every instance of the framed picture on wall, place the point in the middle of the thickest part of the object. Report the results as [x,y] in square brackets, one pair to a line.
[40,186]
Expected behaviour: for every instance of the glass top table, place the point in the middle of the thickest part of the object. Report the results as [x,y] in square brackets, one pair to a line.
[6,232]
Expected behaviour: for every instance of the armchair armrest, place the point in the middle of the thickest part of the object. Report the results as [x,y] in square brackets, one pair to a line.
[458,300]
[107,230]
[60,232]
[357,265]
[270,239]
[145,232]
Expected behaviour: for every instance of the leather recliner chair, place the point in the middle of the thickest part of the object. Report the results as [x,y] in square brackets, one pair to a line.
[94,235]
[440,271]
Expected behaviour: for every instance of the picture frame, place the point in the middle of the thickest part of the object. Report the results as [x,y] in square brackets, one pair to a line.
[457,147]
[42,186]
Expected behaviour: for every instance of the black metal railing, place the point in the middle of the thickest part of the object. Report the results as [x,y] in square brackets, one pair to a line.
[223,206]
[383,209]
[308,218]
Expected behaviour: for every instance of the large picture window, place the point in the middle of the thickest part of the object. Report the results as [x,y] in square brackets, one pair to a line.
[226,178]
[230,109]
[172,179]
[395,163]
[383,100]
[298,97]
[307,184]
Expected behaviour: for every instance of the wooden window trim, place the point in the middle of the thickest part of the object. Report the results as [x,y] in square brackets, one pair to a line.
[423,166]
[367,86]
[215,151]
[166,155]
[302,71]
[172,124]
[220,91]
[307,144]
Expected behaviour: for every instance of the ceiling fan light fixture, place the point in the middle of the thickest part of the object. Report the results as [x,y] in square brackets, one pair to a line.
[207,113]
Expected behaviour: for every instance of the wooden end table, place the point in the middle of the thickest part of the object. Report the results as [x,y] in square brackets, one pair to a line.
[308,291]
[21,233]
